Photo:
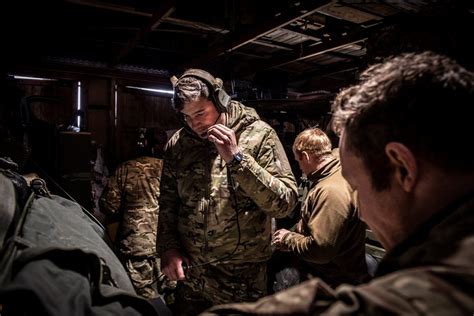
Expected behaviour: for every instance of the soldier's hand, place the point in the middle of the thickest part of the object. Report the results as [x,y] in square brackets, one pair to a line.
[172,263]
[278,238]
[225,141]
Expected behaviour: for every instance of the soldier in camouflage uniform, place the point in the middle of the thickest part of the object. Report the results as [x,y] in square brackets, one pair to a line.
[225,176]
[415,181]
[131,197]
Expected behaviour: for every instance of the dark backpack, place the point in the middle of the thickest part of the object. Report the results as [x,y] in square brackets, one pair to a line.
[54,260]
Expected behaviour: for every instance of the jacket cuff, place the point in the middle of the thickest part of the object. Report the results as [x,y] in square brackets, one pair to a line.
[239,166]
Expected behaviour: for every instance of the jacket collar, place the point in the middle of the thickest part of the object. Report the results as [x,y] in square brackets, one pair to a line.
[325,171]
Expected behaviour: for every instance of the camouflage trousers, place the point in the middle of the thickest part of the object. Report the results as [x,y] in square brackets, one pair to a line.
[144,273]
[210,285]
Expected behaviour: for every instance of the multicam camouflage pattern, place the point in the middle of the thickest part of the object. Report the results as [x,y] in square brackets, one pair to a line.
[144,275]
[220,284]
[132,196]
[147,278]
[430,273]
[198,193]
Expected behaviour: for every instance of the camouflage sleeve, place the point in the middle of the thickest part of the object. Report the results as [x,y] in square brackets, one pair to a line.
[111,197]
[167,235]
[297,300]
[325,227]
[417,291]
[267,179]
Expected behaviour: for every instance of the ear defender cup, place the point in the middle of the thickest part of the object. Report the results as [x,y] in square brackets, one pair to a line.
[218,95]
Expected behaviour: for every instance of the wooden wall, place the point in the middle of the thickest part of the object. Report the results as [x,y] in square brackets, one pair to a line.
[136,109]
[111,114]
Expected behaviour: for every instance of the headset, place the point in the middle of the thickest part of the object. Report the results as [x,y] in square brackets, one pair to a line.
[217,94]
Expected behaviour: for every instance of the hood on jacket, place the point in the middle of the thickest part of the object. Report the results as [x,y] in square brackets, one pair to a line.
[239,116]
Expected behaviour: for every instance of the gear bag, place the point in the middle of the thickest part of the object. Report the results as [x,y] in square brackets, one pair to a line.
[54,260]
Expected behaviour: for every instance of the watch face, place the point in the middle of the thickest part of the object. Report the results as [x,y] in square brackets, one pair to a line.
[238,157]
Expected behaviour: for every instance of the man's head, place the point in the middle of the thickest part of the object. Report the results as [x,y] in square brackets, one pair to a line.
[310,148]
[151,142]
[408,115]
[200,99]
[424,101]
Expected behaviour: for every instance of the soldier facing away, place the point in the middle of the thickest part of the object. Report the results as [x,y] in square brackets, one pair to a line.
[131,198]
[406,131]
[329,239]
[225,175]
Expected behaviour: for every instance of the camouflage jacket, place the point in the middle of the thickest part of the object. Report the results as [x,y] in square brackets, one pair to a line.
[132,195]
[199,193]
[332,237]
[430,273]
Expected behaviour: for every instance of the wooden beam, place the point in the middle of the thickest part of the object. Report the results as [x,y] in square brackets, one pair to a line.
[109,6]
[306,53]
[131,10]
[167,7]
[76,72]
[234,41]
[329,70]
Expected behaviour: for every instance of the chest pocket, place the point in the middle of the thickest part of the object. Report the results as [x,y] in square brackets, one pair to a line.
[192,182]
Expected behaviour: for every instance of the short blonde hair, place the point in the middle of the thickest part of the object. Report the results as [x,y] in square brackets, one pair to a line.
[314,141]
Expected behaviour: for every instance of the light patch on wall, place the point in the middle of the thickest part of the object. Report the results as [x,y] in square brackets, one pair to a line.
[32,78]
[115,104]
[164,91]
[78,104]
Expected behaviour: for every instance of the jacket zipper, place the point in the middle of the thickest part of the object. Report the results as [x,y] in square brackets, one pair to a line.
[205,202]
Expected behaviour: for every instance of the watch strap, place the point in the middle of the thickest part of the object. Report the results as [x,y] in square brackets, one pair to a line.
[238,157]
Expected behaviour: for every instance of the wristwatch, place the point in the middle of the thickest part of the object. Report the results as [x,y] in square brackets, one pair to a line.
[236,160]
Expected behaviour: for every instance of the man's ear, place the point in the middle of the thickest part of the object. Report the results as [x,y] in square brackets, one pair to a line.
[404,163]
[305,155]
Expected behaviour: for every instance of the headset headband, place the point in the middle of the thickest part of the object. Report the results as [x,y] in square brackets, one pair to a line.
[217,94]
[200,74]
